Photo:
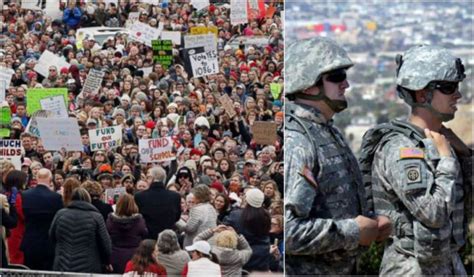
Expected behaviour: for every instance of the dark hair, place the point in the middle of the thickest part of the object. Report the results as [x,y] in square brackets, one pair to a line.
[256,220]
[226,202]
[143,256]
[16,178]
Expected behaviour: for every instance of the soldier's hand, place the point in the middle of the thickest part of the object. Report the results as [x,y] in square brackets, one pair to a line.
[455,141]
[368,230]
[442,144]
[385,227]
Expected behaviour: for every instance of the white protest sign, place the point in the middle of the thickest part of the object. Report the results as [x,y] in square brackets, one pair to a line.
[200,4]
[32,126]
[93,81]
[55,104]
[156,150]
[48,59]
[107,2]
[204,64]
[175,37]
[143,33]
[112,195]
[31,4]
[52,9]
[105,138]
[208,41]
[146,70]
[10,150]
[3,88]
[132,18]
[58,133]
[6,75]
[238,12]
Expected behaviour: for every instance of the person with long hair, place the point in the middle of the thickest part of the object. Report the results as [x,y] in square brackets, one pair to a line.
[222,206]
[144,262]
[126,228]
[69,186]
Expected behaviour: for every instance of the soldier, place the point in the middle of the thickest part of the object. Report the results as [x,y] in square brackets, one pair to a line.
[325,209]
[420,180]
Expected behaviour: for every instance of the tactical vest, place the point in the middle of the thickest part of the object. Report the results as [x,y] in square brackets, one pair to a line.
[411,236]
[340,189]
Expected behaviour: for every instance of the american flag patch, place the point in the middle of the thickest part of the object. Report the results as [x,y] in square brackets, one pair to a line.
[411,153]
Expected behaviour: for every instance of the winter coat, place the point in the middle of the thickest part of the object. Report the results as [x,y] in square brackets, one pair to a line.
[72,17]
[203,216]
[126,234]
[104,208]
[82,243]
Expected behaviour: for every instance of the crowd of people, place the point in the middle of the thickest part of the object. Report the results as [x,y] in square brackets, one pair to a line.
[216,209]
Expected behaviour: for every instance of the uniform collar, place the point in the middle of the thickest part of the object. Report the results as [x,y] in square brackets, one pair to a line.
[307,112]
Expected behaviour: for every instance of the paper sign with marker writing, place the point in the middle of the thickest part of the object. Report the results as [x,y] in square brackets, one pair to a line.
[48,59]
[208,41]
[238,12]
[34,96]
[58,133]
[105,138]
[143,33]
[55,105]
[175,37]
[156,150]
[204,64]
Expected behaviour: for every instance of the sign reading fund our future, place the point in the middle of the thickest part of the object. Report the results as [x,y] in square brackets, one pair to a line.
[105,138]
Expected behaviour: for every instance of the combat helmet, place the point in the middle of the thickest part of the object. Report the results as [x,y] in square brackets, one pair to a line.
[422,66]
[305,63]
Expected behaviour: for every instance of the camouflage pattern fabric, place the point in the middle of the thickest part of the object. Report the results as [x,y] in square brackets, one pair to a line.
[422,194]
[314,57]
[323,195]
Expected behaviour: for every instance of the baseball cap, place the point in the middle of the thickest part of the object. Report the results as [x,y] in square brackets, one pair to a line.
[200,246]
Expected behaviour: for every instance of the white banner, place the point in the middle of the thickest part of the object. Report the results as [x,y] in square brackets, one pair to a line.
[156,150]
[55,105]
[105,138]
[238,12]
[93,81]
[10,150]
[58,133]
[6,75]
[204,64]
[200,4]
[48,59]
[143,33]
[175,37]
[32,126]
[208,41]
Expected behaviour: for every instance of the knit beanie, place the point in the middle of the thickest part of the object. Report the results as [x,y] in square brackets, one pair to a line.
[255,198]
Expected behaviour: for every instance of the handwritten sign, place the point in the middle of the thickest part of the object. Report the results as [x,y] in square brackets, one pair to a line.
[156,150]
[228,105]
[264,132]
[34,96]
[105,138]
[54,104]
[32,126]
[163,52]
[202,30]
[48,59]
[208,41]
[204,64]
[175,37]
[10,150]
[93,81]
[143,33]
[200,4]
[58,133]
[238,12]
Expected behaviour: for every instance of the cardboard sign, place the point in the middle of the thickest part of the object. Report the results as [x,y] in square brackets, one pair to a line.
[10,150]
[238,12]
[93,81]
[200,4]
[175,37]
[32,126]
[204,64]
[105,138]
[208,41]
[34,96]
[156,150]
[163,52]
[58,133]
[264,132]
[227,105]
[54,104]
[143,33]
[112,195]
[202,30]
[48,59]
[275,89]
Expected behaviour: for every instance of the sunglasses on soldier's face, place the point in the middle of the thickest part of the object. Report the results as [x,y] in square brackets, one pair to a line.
[447,88]
[337,76]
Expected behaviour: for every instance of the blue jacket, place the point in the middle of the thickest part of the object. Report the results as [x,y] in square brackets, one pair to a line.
[72,17]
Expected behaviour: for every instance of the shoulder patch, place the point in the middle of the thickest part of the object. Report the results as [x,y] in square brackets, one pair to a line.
[411,153]
[308,176]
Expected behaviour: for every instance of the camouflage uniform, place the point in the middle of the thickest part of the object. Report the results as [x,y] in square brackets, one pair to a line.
[323,186]
[421,192]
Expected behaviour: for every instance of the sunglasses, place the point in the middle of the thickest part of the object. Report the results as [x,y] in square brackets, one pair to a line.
[337,76]
[447,88]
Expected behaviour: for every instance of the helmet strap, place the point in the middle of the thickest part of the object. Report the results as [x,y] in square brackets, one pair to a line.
[443,117]
[335,105]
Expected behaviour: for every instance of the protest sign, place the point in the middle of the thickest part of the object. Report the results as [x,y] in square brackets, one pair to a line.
[58,133]
[112,195]
[146,70]
[6,75]
[32,4]
[105,138]
[132,18]
[156,150]
[202,30]
[187,60]
[175,37]
[48,59]
[34,96]
[32,126]
[93,81]
[255,9]
[163,52]
[200,4]
[10,150]
[55,104]
[264,132]
[143,33]
[5,119]
[208,41]
[3,88]
[275,89]
[204,64]
[238,12]
[228,105]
